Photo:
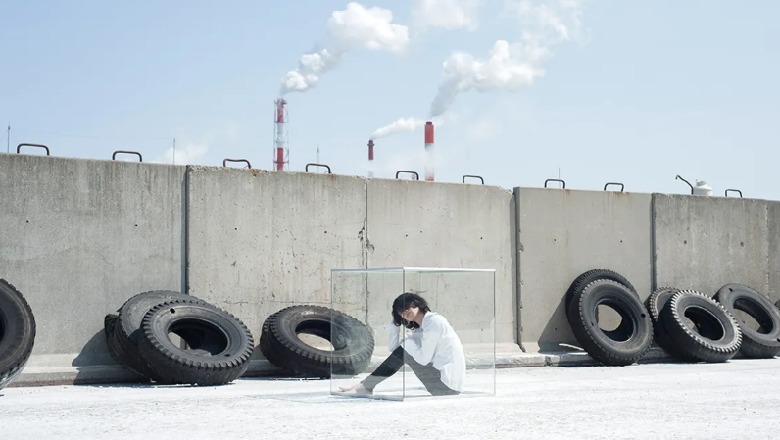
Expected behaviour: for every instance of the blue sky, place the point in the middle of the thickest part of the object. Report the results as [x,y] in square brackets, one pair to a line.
[602,90]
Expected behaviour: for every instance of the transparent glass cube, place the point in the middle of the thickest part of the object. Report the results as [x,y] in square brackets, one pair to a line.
[464,298]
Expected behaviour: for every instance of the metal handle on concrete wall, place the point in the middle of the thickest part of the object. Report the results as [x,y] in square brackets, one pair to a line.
[414,173]
[614,183]
[734,190]
[474,177]
[113,156]
[689,183]
[225,161]
[317,165]
[563,184]
[19,147]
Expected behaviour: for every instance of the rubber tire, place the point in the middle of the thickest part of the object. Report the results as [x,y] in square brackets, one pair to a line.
[654,304]
[109,323]
[763,343]
[590,276]
[626,344]
[122,339]
[710,317]
[352,341]
[17,333]
[221,345]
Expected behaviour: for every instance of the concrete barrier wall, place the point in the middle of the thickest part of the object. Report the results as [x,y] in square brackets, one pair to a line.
[416,223]
[81,236]
[563,233]
[773,230]
[259,241]
[78,238]
[702,243]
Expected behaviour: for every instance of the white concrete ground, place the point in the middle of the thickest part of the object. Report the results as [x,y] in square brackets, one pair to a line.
[739,399]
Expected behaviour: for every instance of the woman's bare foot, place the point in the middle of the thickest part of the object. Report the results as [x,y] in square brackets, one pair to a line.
[357,388]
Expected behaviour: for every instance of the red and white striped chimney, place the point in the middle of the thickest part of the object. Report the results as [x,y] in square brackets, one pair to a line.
[429,151]
[280,138]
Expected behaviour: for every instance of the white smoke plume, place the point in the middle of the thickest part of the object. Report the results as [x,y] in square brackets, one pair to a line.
[399,126]
[355,27]
[403,125]
[511,66]
[446,14]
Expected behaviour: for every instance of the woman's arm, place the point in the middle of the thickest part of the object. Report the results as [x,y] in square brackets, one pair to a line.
[394,338]
[423,352]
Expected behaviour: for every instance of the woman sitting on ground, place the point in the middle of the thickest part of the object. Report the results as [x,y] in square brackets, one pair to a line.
[432,349]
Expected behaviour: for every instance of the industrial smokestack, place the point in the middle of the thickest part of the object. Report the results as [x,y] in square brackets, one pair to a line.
[370,158]
[429,151]
[280,139]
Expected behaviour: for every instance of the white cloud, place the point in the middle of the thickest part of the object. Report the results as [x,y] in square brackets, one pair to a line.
[446,14]
[355,27]
[371,28]
[552,22]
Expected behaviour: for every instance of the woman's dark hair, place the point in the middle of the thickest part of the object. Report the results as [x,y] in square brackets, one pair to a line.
[406,301]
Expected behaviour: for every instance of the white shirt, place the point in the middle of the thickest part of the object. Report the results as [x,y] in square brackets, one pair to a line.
[435,341]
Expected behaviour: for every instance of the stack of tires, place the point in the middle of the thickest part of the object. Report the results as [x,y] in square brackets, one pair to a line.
[623,345]
[17,333]
[689,325]
[693,327]
[351,342]
[210,346]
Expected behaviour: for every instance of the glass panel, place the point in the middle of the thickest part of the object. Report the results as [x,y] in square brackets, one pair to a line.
[461,320]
